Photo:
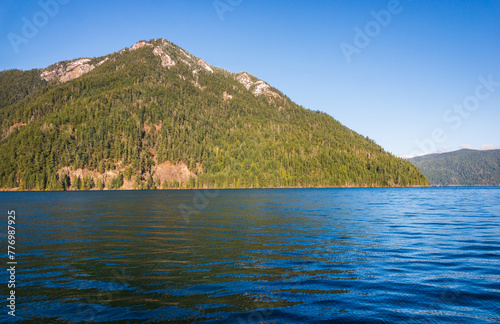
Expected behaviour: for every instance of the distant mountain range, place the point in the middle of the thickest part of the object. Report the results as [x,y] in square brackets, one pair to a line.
[155,116]
[461,168]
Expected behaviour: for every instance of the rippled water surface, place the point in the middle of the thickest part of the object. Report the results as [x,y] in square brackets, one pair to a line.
[257,256]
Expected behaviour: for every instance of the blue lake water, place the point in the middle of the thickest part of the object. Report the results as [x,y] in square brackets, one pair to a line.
[399,255]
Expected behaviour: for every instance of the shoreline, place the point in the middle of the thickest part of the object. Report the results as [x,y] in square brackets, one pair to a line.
[332,187]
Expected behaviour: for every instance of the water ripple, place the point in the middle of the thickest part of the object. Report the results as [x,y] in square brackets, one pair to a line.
[259,256]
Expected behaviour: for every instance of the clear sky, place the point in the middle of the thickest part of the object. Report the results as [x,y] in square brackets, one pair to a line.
[417,76]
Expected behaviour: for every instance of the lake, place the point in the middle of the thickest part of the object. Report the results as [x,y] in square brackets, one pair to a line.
[386,255]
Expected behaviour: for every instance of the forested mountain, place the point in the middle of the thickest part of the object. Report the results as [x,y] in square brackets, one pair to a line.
[155,116]
[461,168]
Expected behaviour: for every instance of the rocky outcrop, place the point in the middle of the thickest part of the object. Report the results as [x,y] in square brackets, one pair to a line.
[70,71]
[245,79]
[186,62]
[9,131]
[83,173]
[185,54]
[204,65]
[168,172]
[138,45]
[102,61]
[258,87]
[166,61]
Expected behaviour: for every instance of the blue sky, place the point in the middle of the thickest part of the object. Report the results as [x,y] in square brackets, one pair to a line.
[417,76]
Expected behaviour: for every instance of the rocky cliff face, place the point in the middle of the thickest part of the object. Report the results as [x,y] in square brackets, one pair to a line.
[67,72]
[166,61]
[258,87]
[166,51]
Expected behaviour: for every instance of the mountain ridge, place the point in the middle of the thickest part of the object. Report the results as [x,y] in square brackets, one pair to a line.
[464,167]
[153,116]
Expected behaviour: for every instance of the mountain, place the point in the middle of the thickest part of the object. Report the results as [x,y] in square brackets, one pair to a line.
[461,168]
[155,116]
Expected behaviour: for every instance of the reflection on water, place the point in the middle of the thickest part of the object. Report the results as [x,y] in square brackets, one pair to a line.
[252,256]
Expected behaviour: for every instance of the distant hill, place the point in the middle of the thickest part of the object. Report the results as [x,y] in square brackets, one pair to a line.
[461,168]
[155,116]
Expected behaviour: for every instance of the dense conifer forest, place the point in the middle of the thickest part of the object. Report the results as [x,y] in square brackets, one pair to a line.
[461,168]
[154,116]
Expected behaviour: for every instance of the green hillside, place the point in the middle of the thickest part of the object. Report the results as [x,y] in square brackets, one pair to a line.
[155,116]
[461,168]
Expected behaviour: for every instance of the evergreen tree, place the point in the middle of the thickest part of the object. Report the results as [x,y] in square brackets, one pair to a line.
[130,114]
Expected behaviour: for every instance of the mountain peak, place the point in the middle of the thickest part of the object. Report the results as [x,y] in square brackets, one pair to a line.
[155,115]
[139,44]
[169,55]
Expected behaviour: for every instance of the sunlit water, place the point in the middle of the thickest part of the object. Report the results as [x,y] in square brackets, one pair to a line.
[256,256]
